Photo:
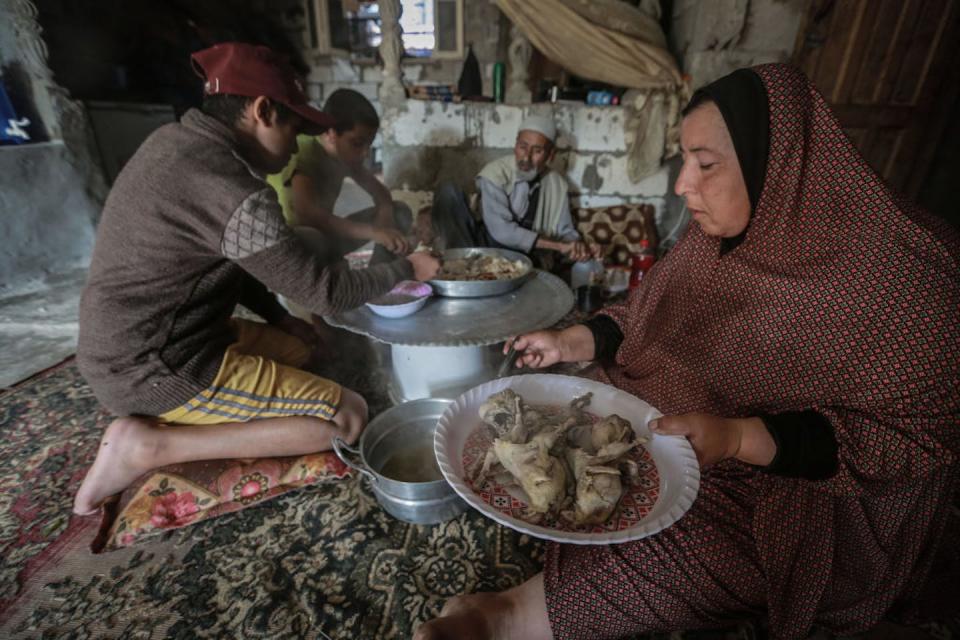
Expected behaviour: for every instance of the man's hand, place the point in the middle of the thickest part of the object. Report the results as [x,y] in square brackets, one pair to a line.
[299,329]
[715,438]
[425,266]
[578,251]
[393,240]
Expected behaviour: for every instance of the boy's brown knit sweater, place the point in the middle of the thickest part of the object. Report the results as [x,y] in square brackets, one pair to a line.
[188,231]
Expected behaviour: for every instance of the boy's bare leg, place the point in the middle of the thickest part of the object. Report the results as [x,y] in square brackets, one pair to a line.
[132,446]
[520,612]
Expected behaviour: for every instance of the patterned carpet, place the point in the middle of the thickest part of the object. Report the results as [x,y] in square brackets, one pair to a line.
[322,560]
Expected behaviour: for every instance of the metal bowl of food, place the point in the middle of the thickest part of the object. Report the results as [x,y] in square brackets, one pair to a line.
[479,272]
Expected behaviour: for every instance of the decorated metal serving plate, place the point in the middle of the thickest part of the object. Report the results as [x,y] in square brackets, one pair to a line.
[478,288]
[669,474]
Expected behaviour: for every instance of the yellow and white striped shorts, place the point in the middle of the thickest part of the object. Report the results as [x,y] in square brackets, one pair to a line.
[260,377]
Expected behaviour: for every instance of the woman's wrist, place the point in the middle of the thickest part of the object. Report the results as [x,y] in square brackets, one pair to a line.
[753,443]
[576,344]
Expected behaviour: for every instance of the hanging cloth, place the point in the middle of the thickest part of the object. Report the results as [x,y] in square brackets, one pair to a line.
[613,42]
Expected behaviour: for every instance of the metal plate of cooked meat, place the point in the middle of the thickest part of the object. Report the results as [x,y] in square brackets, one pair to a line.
[479,272]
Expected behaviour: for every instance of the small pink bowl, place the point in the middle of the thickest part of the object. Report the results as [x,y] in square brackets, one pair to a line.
[405,299]
[413,288]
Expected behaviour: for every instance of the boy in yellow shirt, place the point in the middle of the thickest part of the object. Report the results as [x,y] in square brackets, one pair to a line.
[309,185]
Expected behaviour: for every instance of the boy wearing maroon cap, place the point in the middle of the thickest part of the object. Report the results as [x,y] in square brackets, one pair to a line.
[190,230]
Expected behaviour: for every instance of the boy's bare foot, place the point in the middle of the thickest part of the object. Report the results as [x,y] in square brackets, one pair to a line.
[119,462]
[480,616]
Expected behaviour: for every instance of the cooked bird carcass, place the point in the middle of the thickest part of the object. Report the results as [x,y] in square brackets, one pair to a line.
[503,412]
[558,457]
[542,476]
[513,422]
[599,485]
[611,429]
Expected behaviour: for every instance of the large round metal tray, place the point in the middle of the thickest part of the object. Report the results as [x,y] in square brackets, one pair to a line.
[481,288]
[460,322]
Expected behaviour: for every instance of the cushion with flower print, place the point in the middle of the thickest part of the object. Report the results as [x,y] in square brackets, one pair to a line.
[182,494]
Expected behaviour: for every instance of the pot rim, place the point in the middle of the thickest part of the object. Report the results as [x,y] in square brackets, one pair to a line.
[364,446]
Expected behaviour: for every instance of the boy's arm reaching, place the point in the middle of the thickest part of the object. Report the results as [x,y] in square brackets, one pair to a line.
[382,200]
[312,214]
[257,238]
[385,230]
[309,212]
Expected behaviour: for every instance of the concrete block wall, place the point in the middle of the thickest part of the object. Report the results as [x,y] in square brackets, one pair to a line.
[483,24]
[591,149]
[330,74]
[429,141]
[426,143]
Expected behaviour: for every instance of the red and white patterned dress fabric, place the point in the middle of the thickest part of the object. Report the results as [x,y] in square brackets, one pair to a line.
[843,298]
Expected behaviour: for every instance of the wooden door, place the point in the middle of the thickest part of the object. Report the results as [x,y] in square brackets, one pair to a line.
[890,69]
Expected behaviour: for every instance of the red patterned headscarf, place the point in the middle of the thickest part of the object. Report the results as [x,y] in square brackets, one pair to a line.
[844,298]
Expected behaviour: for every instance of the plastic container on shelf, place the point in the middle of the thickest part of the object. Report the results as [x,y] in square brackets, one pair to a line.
[499,81]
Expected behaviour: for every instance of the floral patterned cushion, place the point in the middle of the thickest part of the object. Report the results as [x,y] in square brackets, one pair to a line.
[619,228]
[178,495]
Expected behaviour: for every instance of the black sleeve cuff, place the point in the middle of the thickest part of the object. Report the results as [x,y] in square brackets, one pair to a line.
[606,336]
[806,445]
[257,298]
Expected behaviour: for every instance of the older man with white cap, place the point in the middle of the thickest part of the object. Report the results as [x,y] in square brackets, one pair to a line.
[524,204]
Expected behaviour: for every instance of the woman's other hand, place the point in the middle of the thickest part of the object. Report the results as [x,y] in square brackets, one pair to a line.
[544,348]
[715,438]
[536,350]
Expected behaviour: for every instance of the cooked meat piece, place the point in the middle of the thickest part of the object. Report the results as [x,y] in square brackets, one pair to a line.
[541,475]
[500,412]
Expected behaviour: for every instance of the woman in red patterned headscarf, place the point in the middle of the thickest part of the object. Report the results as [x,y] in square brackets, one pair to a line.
[803,335]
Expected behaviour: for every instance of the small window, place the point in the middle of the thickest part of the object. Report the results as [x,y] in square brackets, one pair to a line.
[431,28]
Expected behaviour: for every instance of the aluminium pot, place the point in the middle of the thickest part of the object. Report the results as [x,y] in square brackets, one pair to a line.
[405,427]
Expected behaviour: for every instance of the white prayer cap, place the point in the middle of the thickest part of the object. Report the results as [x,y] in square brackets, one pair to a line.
[542,124]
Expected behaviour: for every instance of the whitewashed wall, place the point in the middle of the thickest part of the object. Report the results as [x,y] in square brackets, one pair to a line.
[483,24]
[430,142]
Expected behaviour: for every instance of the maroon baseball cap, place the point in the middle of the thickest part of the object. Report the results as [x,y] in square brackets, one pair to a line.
[241,69]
